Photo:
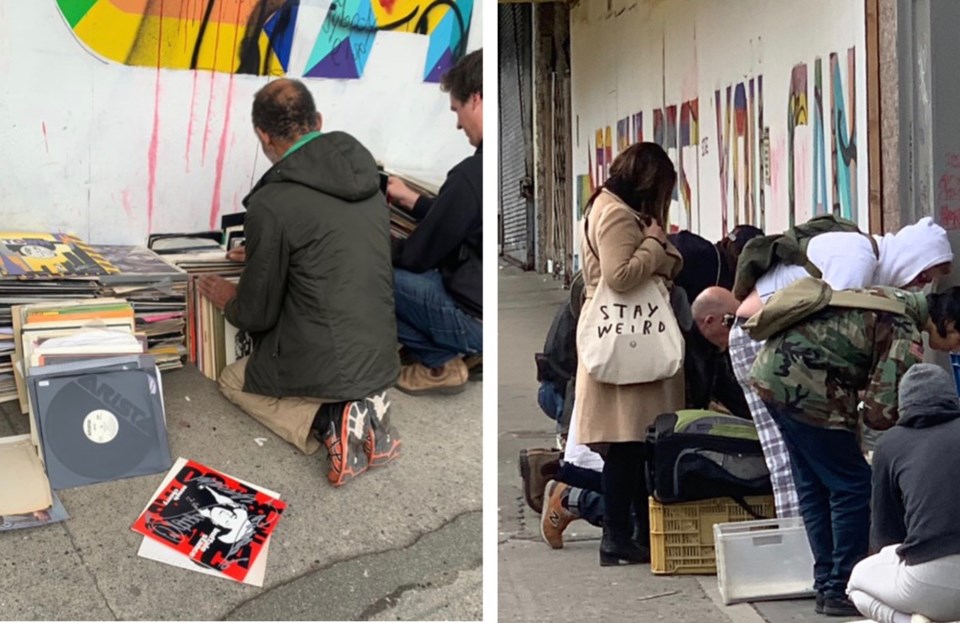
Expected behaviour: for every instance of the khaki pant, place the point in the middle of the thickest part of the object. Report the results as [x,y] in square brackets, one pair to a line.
[290,418]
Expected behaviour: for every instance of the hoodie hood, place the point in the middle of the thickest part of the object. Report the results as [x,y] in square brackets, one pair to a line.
[927,397]
[334,163]
[910,251]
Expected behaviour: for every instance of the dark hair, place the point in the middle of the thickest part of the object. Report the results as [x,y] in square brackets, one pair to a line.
[733,243]
[944,307]
[284,109]
[643,177]
[465,78]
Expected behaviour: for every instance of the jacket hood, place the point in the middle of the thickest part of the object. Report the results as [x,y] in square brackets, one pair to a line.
[928,397]
[910,251]
[334,163]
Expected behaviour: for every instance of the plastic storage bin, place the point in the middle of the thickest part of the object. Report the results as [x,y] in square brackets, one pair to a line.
[766,559]
[681,535]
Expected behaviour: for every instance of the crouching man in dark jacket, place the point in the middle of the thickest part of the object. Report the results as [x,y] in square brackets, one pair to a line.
[439,276]
[316,293]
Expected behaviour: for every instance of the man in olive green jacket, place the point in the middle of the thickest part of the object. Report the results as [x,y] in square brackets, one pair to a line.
[316,293]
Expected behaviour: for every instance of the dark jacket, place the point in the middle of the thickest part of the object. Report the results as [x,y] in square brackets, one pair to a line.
[915,467]
[317,290]
[708,374]
[449,236]
[702,264]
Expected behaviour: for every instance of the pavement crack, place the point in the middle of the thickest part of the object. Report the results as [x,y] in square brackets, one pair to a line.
[93,576]
[316,569]
[388,601]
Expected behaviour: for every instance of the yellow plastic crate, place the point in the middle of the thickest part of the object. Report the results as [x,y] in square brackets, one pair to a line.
[681,535]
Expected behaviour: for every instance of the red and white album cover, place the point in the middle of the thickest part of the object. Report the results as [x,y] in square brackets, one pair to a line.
[212,519]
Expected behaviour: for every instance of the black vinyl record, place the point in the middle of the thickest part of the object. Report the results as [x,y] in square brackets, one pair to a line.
[102,426]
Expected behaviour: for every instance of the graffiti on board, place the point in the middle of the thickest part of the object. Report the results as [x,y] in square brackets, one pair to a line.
[257,36]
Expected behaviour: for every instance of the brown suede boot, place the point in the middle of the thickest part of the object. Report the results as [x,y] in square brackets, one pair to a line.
[417,379]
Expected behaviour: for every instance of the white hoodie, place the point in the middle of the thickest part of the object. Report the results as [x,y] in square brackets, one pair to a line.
[847,259]
[910,251]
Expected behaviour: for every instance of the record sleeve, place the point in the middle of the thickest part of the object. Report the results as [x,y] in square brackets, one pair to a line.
[100,420]
[212,519]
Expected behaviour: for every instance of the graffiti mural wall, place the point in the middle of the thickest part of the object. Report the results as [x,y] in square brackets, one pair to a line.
[256,36]
[137,119]
[759,103]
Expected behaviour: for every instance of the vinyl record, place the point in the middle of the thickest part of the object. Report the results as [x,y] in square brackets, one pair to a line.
[99,426]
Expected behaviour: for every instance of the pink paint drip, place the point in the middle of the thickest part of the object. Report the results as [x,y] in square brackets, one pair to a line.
[193,99]
[155,135]
[221,156]
[213,73]
[46,145]
[127,202]
[152,155]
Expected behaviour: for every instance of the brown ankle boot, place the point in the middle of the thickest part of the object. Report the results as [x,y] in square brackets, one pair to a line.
[451,378]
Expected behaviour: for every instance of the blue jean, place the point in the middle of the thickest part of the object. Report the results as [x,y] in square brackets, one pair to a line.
[833,488]
[550,399]
[429,323]
[585,498]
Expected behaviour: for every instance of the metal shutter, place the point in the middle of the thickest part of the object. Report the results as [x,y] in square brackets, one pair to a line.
[516,126]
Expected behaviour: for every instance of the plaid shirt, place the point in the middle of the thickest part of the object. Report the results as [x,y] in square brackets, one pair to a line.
[743,352]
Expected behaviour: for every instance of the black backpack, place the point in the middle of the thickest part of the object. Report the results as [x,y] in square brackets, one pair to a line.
[698,454]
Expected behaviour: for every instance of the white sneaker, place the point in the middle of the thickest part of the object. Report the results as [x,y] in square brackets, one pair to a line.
[919,618]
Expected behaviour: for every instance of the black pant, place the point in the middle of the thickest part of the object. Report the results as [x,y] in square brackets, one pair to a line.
[624,486]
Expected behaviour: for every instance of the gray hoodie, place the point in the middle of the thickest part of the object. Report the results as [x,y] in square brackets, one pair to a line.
[915,468]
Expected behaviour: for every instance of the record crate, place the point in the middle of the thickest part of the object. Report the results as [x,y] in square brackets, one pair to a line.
[681,535]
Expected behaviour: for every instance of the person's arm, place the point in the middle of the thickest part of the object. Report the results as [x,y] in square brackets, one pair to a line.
[898,347]
[422,207]
[256,307]
[627,259]
[443,229]
[887,526]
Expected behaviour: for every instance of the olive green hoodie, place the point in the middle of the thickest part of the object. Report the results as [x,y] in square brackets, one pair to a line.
[316,293]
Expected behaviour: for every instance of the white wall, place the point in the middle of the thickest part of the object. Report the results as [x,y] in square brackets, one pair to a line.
[650,54]
[81,153]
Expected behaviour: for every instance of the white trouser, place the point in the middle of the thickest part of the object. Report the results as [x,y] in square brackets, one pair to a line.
[883,587]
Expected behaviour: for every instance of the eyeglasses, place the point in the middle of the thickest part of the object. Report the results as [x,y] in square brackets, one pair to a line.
[728,320]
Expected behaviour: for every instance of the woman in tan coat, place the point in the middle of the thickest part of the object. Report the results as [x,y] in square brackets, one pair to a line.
[625,245]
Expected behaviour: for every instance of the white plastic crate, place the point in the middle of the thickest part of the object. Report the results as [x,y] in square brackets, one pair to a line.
[765,559]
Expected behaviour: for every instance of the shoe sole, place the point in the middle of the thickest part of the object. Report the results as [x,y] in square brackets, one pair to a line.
[547,492]
[350,446]
[440,391]
[379,459]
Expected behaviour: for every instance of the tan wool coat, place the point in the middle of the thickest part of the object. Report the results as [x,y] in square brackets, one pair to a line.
[617,413]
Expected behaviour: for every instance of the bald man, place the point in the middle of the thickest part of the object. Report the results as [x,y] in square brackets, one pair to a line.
[316,293]
[707,368]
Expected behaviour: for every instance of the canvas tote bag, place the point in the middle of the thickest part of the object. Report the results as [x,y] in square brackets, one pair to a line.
[631,337]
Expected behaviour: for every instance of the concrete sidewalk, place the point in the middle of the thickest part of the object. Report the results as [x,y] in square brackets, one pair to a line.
[539,584]
[400,542]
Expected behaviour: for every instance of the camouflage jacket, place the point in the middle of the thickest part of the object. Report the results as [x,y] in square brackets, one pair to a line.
[814,370]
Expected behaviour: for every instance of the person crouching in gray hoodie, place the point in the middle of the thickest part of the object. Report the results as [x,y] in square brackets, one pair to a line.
[915,576]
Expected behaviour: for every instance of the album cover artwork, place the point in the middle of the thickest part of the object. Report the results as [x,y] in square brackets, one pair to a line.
[212,519]
[35,519]
[136,263]
[28,255]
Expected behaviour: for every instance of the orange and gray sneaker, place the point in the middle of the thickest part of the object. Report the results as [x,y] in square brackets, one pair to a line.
[382,444]
[345,440]
[450,378]
[554,518]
